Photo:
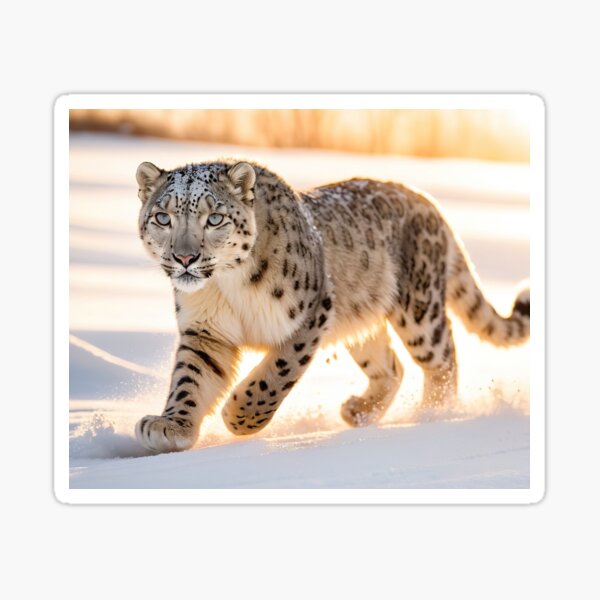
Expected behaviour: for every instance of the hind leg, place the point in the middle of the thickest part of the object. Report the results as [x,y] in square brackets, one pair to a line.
[429,341]
[380,364]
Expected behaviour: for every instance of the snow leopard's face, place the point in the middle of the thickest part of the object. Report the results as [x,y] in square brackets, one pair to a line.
[197,221]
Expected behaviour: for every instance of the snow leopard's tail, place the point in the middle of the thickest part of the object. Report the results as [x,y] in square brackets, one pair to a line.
[465,298]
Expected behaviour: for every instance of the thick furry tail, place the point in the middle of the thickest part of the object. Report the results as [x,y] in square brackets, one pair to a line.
[465,298]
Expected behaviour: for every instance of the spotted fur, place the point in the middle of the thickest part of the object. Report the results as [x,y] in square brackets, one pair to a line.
[289,272]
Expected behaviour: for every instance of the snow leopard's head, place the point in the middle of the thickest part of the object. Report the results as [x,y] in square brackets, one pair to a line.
[198,220]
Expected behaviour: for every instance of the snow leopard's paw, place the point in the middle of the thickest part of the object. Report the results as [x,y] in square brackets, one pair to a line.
[360,412]
[164,434]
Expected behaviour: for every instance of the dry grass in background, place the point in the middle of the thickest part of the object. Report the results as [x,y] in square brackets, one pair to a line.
[500,135]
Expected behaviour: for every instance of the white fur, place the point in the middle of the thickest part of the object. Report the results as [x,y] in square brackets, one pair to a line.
[263,321]
[193,286]
[210,306]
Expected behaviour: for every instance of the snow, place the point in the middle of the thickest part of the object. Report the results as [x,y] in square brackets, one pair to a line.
[122,335]
[473,453]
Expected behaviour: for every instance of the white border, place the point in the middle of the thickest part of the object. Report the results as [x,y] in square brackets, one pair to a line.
[532,103]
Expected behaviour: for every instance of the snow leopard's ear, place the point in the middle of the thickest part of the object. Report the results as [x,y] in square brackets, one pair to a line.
[149,178]
[243,178]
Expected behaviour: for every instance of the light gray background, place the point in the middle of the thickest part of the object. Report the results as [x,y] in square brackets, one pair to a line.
[409,552]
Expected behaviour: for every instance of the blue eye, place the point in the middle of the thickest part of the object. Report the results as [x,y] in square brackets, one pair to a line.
[162,218]
[215,219]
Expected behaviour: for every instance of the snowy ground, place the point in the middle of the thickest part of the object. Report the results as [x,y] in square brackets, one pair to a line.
[122,324]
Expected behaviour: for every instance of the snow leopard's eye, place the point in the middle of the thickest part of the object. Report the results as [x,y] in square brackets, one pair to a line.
[162,218]
[215,219]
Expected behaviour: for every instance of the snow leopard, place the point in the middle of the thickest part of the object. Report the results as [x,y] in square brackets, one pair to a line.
[255,263]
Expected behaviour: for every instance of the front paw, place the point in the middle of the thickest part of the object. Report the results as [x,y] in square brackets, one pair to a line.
[161,434]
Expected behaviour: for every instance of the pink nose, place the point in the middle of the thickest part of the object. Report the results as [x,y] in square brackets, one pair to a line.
[185,259]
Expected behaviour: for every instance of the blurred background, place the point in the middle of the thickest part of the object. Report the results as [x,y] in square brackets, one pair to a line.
[499,135]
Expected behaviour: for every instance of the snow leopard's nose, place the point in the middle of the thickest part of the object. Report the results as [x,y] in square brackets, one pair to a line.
[185,259]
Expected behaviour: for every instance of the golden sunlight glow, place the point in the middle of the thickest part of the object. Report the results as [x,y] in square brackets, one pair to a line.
[501,135]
